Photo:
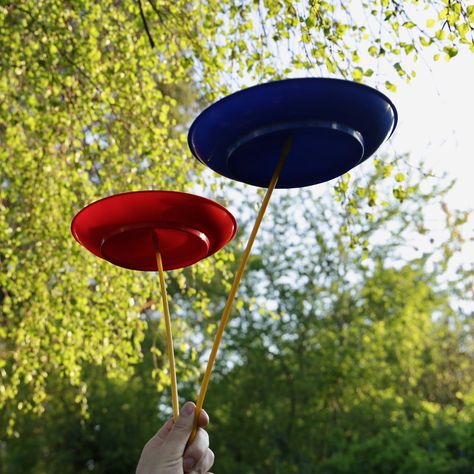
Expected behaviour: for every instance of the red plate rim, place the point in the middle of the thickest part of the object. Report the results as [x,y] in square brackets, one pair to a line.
[189,196]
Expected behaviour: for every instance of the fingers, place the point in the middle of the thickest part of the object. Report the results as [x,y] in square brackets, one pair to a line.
[203,419]
[184,424]
[179,434]
[168,447]
[205,463]
[164,430]
[159,438]
[195,452]
[198,458]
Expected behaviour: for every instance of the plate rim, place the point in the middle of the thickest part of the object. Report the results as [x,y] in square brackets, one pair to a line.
[233,95]
[198,198]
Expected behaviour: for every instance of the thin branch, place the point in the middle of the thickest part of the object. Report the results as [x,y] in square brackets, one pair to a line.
[145,24]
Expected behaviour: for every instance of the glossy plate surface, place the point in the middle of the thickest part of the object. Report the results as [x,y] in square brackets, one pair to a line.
[125,228]
[335,125]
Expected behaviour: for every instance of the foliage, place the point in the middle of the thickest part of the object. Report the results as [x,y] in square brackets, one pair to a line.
[350,359]
[88,108]
[122,415]
[331,364]
[264,39]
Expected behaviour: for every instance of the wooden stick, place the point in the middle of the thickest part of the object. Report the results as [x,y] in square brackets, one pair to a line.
[235,286]
[169,335]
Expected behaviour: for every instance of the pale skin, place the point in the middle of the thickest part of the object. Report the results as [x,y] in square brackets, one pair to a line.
[167,452]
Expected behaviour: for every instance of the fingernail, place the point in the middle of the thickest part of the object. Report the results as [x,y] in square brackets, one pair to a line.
[188,409]
[188,463]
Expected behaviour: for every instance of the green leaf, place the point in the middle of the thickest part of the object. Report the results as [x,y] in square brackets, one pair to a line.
[357,74]
[373,51]
[451,51]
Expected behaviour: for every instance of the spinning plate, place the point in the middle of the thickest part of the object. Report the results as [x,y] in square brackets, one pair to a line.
[126,228]
[334,124]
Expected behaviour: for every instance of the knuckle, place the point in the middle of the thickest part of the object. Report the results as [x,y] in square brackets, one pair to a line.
[181,426]
[200,443]
[198,448]
[204,435]
[205,463]
[212,458]
[208,461]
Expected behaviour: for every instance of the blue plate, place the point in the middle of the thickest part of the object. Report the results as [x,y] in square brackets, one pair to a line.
[334,125]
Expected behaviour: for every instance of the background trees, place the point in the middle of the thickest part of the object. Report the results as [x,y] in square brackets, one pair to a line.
[87,109]
[348,360]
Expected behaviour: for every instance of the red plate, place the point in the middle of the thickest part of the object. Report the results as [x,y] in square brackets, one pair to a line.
[125,228]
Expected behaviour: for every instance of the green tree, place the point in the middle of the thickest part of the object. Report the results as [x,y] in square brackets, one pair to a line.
[349,357]
[122,416]
[89,108]
[333,363]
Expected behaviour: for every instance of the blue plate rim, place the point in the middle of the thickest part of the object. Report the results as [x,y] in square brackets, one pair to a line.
[294,79]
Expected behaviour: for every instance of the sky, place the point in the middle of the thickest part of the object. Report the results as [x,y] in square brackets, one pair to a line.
[436,125]
[436,122]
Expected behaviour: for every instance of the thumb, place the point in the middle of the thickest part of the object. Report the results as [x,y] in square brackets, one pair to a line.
[181,430]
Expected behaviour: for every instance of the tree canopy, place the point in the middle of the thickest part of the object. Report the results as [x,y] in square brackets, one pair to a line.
[95,98]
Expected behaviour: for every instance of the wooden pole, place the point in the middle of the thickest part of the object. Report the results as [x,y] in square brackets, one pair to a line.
[169,335]
[235,285]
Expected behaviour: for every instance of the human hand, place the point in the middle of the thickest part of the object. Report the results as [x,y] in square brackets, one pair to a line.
[167,453]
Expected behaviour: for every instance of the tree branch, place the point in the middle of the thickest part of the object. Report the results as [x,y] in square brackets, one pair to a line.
[145,24]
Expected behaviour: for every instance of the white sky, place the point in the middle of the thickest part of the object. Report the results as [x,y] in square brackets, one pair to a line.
[436,125]
[436,122]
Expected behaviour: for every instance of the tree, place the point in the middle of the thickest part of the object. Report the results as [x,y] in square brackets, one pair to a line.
[89,108]
[355,360]
[349,359]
